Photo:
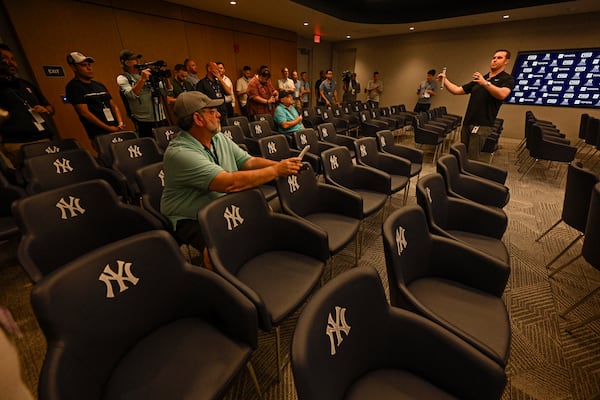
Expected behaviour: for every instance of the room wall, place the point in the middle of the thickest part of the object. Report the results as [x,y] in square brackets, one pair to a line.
[156,29]
[403,61]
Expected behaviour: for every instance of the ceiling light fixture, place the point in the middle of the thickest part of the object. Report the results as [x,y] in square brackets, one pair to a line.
[233,3]
[348,36]
[305,24]
[412,28]
[506,16]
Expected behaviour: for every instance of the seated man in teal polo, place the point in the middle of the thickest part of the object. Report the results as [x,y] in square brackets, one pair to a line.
[202,164]
[286,116]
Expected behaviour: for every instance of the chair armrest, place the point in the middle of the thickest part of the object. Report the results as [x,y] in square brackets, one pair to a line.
[458,262]
[466,215]
[557,151]
[370,178]
[297,235]
[393,164]
[345,141]
[413,155]
[487,171]
[421,346]
[482,191]
[222,303]
[341,201]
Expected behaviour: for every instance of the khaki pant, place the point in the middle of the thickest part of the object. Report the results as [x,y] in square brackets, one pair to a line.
[474,136]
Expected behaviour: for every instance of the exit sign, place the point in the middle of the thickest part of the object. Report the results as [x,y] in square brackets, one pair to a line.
[53,70]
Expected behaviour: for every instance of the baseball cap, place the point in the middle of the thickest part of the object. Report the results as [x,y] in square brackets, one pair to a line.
[76,58]
[188,103]
[127,54]
[284,93]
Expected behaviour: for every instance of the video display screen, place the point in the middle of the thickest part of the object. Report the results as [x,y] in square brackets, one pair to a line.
[563,78]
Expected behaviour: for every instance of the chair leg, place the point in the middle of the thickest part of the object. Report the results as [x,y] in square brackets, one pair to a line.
[278,349]
[529,169]
[554,272]
[579,302]
[252,373]
[559,255]
[548,230]
[356,249]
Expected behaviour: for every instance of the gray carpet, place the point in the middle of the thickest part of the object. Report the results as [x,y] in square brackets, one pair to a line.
[546,362]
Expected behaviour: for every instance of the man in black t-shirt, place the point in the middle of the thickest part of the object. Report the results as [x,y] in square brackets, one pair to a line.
[28,110]
[487,91]
[214,87]
[93,103]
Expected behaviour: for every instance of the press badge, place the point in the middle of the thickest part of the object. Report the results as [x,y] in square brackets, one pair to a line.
[108,114]
[475,129]
[37,119]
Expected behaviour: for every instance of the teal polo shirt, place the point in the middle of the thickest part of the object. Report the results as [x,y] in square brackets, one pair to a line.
[190,168]
[282,114]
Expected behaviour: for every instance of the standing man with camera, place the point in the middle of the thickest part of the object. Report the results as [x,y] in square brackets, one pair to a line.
[487,91]
[215,88]
[93,103]
[142,93]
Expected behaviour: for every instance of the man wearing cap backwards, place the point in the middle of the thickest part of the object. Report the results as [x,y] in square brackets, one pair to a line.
[202,164]
[93,103]
[286,116]
[28,110]
[137,92]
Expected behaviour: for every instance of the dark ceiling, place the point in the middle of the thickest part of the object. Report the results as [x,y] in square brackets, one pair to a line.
[399,12]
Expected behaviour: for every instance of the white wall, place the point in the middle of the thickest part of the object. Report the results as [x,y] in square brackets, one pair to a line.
[404,60]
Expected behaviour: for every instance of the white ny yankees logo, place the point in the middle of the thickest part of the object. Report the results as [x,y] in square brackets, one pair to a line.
[233,217]
[401,242]
[336,327]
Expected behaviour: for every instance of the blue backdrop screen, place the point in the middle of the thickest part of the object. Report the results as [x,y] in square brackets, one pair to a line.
[564,78]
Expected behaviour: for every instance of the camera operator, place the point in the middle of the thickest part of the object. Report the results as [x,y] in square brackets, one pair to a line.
[142,91]
[215,87]
[351,87]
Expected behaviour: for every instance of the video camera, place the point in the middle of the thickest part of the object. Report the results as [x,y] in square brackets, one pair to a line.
[156,68]
[346,76]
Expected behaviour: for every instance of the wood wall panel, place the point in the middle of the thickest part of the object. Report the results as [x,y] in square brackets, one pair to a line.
[154,28]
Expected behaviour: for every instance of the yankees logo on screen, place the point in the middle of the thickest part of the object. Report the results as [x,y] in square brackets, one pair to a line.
[568,78]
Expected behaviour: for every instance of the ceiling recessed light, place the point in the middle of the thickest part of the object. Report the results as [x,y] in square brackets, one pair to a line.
[506,16]
[412,28]
[233,3]
[305,24]
[348,36]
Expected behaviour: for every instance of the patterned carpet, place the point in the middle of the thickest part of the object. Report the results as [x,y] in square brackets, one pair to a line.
[546,362]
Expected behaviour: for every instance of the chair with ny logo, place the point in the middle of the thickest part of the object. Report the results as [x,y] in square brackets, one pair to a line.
[54,170]
[349,343]
[51,147]
[335,210]
[130,155]
[274,259]
[164,134]
[309,137]
[132,320]
[62,224]
[447,282]
[103,143]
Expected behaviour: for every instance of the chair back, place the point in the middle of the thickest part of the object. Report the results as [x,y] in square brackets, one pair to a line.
[337,166]
[60,225]
[590,249]
[164,134]
[447,166]
[241,122]
[335,342]
[407,245]
[366,151]
[151,182]
[51,147]
[51,171]
[133,154]
[433,199]
[234,133]
[103,143]
[365,116]
[238,222]
[95,309]
[275,147]
[268,118]
[583,120]
[578,190]
[298,194]
[385,139]
[307,137]
[259,129]
[327,132]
